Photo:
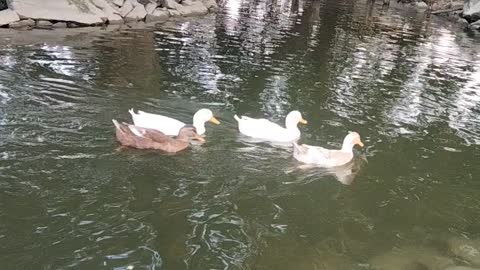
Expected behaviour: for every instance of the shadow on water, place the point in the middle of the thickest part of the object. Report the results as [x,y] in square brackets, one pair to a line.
[407,82]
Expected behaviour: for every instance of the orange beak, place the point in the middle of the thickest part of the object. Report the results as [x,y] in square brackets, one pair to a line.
[360,143]
[303,121]
[214,120]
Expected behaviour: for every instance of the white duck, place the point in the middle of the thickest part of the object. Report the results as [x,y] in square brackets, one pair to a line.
[326,157]
[266,130]
[170,126]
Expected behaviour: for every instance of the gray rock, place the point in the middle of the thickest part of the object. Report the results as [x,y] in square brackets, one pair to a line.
[421,5]
[210,4]
[22,23]
[118,3]
[60,25]
[170,4]
[137,14]
[111,15]
[150,7]
[158,15]
[466,249]
[57,10]
[411,258]
[461,268]
[8,16]
[44,24]
[462,22]
[174,13]
[126,8]
[195,8]
[471,10]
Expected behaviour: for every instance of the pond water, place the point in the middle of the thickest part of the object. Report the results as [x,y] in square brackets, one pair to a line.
[407,82]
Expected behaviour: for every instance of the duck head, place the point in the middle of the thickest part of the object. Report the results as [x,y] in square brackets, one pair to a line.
[188,133]
[352,139]
[204,115]
[293,118]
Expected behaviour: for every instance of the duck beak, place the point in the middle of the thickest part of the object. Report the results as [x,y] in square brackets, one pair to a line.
[199,138]
[360,143]
[214,120]
[303,121]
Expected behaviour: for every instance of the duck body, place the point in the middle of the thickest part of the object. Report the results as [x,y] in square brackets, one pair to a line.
[170,126]
[264,129]
[145,138]
[327,157]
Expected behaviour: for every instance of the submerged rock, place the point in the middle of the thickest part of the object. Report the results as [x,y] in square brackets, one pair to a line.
[461,268]
[466,249]
[8,16]
[411,258]
[57,10]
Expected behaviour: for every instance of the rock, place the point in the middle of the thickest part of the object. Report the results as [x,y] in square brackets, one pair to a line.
[195,8]
[462,22]
[210,4]
[421,5]
[8,16]
[170,4]
[174,13]
[57,10]
[118,3]
[137,14]
[126,8]
[158,15]
[60,25]
[471,10]
[467,249]
[111,15]
[43,24]
[22,23]
[150,7]
[73,25]
[411,258]
[460,268]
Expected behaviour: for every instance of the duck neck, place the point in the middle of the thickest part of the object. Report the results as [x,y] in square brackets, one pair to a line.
[347,147]
[199,125]
[292,127]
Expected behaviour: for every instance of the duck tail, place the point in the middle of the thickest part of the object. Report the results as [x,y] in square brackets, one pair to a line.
[131,112]
[236,118]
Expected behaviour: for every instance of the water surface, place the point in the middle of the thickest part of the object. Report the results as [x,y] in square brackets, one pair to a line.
[407,82]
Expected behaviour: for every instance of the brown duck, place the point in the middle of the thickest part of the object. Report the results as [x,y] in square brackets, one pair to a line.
[146,138]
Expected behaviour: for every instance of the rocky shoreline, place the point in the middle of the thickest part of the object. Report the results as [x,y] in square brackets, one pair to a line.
[466,12]
[46,14]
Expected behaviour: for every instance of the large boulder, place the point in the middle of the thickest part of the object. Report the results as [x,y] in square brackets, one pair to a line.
[79,11]
[192,8]
[137,14]
[158,15]
[471,10]
[126,8]
[8,16]
[150,7]
[111,15]
[210,4]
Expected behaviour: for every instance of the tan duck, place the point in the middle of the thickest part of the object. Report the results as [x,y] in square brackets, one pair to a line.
[145,138]
[326,157]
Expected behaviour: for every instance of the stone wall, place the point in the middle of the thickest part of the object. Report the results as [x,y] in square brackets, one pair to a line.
[76,13]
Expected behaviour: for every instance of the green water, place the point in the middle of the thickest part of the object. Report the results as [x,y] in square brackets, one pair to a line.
[408,83]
